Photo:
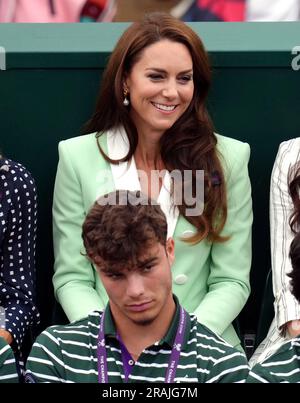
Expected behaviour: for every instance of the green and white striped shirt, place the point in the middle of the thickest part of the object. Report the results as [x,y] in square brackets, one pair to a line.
[281,367]
[8,370]
[69,354]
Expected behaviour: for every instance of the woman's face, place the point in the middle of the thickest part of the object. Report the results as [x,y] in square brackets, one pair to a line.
[160,86]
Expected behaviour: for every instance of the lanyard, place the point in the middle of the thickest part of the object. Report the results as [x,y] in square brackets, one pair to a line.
[126,358]
[101,354]
[173,362]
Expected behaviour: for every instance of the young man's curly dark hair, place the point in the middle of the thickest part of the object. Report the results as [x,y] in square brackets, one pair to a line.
[120,227]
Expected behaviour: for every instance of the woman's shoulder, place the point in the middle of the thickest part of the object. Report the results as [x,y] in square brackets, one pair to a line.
[287,157]
[230,145]
[290,149]
[233,153]
[11,170]
[78,142]
[84,145]
[17,183]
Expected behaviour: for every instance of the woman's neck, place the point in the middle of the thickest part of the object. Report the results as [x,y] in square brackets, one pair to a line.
[149,163]
[150,171]
[147,153]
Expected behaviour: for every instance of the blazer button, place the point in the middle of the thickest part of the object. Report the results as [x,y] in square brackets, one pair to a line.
[188,234]
[181,279]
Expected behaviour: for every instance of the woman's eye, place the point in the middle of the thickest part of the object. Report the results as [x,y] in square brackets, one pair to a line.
[185,78]
[155,76]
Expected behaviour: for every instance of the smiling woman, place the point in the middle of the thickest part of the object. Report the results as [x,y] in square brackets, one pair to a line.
[151,118]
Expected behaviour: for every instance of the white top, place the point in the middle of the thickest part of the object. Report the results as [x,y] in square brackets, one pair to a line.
[286,306]
[272,10]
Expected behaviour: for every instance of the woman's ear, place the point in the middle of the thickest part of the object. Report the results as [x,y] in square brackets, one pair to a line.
[126,83]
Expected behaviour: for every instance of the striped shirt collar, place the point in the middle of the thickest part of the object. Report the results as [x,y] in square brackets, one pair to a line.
[168,339]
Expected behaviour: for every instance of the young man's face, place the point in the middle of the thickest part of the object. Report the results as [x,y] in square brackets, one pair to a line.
[141,294]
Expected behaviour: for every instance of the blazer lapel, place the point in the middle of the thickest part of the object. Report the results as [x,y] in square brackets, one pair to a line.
[125,173]
[165,201]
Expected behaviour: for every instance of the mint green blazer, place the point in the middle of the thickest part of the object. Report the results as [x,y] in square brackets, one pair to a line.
[211,280]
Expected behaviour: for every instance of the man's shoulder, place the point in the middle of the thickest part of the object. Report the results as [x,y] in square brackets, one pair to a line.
[207,339]
[288,351]
[5,348]
[73,329]
[281,366]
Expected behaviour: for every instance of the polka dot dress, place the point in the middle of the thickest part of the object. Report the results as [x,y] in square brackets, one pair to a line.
[18,218]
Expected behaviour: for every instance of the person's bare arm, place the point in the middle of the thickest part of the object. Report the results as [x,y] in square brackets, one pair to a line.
[6,336]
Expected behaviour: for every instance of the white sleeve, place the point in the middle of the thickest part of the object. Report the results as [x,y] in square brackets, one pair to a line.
[272,10]
[286,306]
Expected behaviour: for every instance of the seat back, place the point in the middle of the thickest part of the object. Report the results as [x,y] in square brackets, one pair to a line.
[267,310]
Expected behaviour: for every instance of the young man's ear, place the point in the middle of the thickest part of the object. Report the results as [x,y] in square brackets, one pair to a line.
[170,249]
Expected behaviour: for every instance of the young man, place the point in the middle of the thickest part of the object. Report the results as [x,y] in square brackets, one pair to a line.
[284,365]
[8,369]
[144,335]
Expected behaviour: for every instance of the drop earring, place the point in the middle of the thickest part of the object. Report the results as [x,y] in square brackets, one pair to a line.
[126,100]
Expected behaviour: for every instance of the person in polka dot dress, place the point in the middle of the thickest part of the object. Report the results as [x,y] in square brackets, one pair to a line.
[18,219]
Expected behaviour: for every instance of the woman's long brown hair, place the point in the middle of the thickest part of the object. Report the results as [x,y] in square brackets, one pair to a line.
[190,144]
[294,190]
